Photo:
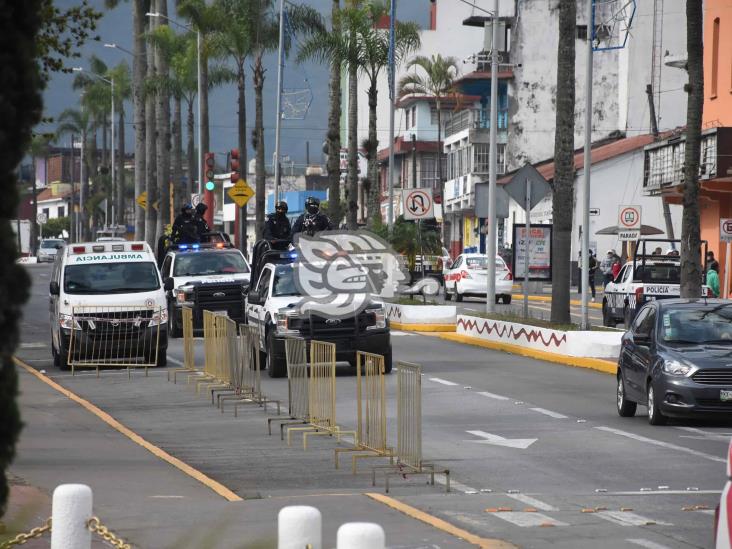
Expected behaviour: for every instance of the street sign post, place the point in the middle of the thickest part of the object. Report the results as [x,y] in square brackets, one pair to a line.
[41,218]
[418,204]
[195,199]
[240,193]
[629,223]
[594,211]
[725,235]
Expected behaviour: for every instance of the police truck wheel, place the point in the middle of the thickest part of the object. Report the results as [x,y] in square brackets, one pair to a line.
[507,299]
[627,317]
[387,362]
[61,359]
[175,330]
[607,318]
[448,295]
[458,295]
[162,361]
[276,367]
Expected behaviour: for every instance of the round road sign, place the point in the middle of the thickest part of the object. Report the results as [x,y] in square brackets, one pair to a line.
[630,217]
[418,204]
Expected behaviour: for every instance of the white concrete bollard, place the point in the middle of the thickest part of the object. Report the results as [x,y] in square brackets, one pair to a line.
[72,508]
[298,526]
[361,535]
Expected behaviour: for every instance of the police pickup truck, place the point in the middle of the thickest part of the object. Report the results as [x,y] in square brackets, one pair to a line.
[271,303]
[208,276]
[649,276]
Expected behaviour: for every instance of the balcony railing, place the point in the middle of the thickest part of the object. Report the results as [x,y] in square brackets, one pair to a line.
[475,119]
[664,164]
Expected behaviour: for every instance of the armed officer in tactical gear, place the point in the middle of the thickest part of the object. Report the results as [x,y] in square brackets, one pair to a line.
[202,227]
[184,227]
[312,220]
[277,226]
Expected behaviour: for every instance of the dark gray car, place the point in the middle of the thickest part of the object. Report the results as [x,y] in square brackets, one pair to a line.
[676,358]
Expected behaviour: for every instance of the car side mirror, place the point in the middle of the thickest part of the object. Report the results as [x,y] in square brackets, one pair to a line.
[168,284]
[254,298]
[53,288]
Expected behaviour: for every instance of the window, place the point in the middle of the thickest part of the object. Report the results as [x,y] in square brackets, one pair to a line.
[284,282]
[61,211]
[428,171]
[414,116]
[209,263]
[165,271]
[582,32]
[647,325]
[715,58]
[407,115]
[640,317]
[263,286]
[47,212]
[109,278]
[433,116]
[481,158]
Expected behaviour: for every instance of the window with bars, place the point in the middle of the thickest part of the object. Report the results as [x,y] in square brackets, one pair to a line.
[433,116]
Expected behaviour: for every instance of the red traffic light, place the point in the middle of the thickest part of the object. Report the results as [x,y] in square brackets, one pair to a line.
[235,154]
[210,159]
[234,164]
[234,177]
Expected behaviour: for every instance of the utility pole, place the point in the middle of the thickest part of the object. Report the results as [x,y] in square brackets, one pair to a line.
[390,211]
[587,167]
[490,247]
[278,123]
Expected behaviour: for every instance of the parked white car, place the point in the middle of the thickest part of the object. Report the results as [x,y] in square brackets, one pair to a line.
[48,249]
[467,275]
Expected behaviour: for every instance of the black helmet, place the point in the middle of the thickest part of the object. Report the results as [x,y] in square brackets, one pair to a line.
[281,206]
[201,208]
[186,208]
[312,204]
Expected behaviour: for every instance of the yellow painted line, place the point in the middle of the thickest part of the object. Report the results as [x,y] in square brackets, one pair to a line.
[413,512]
[605,366]
[548,299]
[423,327]
[217,487]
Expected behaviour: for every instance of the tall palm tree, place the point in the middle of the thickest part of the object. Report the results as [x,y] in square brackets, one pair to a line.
[78,122]
[162,111]
[334,125]
[122,93]
[39,148]
[438,82]
[691,268]
[151,166]
[563,190]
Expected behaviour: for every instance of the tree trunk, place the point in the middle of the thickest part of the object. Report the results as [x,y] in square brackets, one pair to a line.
[34,222]
[205,141]
[691,267]
[121,191]
[335,210]
[242,136]
[563,195]
[163,136]
[191,151]
[259,144]
[374,191]
[177,181]
[139,70]
[105,150]
[352,213]
[91,174]
[151,185]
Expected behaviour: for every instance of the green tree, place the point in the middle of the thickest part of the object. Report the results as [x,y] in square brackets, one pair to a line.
[21,107]
[122,93]
[563,188]
[691,267]
[39,148]
[334,125]
[78,122]
[437,81]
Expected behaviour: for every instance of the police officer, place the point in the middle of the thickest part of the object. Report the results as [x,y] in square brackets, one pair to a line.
[277,226]
[184,227]
[312,220]
[202,227]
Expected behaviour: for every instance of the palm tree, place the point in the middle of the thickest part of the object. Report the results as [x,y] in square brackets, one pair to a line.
[691,268]
[162,111]
[39,148]
[151,183]
[563,191]
[78,122]
[122,93]
[334,126]
[437,81]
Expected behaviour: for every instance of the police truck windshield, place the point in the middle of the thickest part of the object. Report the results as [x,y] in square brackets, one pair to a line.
[200,263]
[110,278]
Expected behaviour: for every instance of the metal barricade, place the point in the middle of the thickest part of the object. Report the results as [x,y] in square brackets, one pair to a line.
[210,350]
[409,429]
[321,395]
[224,341]
[370,409]
[298,391]
[189,349]
[109,336]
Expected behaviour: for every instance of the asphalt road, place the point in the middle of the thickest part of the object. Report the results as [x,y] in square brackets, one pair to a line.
[530,445]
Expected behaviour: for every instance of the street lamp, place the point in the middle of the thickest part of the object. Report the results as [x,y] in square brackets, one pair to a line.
[198,77]
[118,47]
[109,81]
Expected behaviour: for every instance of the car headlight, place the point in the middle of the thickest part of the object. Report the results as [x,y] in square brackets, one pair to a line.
[379,319]
[67,322]
[283,324]
[677,368]
[159,317]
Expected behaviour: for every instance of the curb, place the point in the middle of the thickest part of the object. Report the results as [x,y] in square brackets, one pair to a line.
[423,327]
[548,299]
[598,364]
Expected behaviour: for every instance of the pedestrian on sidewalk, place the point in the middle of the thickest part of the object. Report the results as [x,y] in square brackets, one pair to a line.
[616,267]
[593,269]
[606,267]
[713,278]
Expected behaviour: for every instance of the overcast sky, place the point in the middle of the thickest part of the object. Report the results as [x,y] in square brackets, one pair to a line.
[116,26]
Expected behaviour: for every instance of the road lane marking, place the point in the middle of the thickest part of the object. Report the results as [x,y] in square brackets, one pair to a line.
[533,502]
[665,492]
[705,435]
[492,395]
[549,413]
[706,511]
[648,544]
[626,518]
[662,444]
[459,486]
[495,440]
[527,520]
[217,487]
[442,381]
[33,345]
[175,361]
[440,524]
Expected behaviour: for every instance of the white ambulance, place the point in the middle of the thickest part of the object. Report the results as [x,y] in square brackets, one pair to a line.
[107,306]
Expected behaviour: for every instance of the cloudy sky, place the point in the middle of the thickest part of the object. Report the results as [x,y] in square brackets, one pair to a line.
[116,27]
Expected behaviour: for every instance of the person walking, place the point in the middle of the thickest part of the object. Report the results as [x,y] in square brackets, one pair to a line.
[713,277]
[593,268]
[606,267]
[616,267]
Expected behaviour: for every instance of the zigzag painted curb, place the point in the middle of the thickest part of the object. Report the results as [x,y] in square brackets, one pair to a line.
[422,318]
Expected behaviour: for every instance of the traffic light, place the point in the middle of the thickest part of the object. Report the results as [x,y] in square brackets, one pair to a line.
[234,165]
[209,161]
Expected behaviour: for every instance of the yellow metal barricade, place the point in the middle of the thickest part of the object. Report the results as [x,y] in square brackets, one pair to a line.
[108,336]
[189,349]
[210,350]
[409,428]
[321,394]
[224,351]
[370,409]
[298,385]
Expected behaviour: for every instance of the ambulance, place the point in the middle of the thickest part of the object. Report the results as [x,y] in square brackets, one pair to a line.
[107,306]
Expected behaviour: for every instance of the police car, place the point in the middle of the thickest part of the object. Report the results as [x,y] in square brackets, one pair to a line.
[110,295]
[467,275]
[270,305]
[208,276]
[647,277]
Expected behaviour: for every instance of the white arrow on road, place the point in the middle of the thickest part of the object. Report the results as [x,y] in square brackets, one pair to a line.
[488,438]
